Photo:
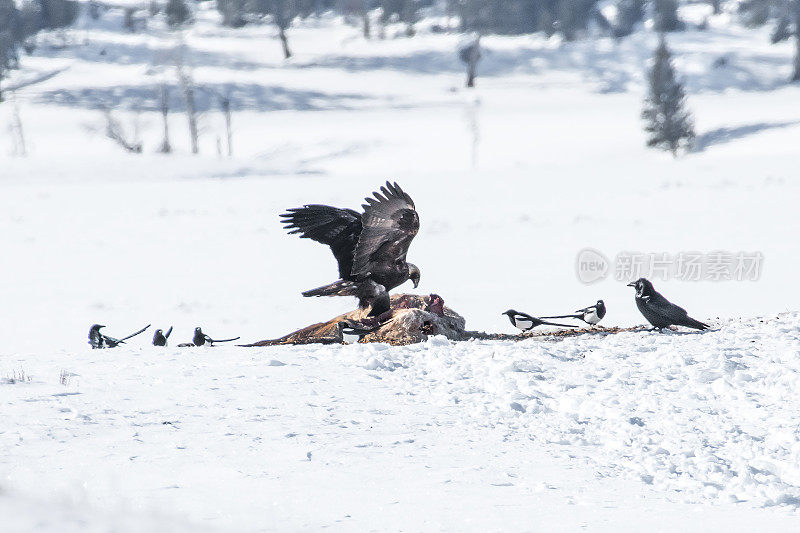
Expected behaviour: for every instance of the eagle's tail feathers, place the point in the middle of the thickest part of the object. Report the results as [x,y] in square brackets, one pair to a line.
[337,288]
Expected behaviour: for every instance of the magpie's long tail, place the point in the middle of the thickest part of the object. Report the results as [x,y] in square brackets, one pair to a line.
[559,325]
[134,334]
[225,340]
[690,322]
[580,317]
[337,288]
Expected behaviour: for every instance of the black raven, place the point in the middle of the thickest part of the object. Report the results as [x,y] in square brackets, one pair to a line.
[98,340]
[370,248]
[659,311]
[591,315]
[527,322]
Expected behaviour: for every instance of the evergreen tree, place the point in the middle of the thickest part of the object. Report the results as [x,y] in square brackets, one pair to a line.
[10,35]
[406,11]
[785,13]
[177,13]
[10,19]
[788,26]
[233,12]
[629,14]
[666,15]
[57,13]
[667,121]
[754,13]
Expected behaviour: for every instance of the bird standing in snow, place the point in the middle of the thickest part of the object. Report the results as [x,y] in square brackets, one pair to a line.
[97,340]
[591,315]
[526,322]
[201,338]
[160,338]
[659,311]
[370,248]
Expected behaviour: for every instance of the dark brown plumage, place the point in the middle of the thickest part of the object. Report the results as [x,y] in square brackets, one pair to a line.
[370,248]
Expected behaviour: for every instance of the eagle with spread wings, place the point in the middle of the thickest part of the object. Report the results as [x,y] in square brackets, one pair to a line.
[370,247]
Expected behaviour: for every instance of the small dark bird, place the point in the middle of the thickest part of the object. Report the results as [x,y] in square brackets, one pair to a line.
[370,248]
[526,322]
[658,310]
[353,331]
[591,315]
[160,338]
[201,338]
[97,340]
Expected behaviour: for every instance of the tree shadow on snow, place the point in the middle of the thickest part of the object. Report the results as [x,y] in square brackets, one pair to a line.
[727,134]
[242,97]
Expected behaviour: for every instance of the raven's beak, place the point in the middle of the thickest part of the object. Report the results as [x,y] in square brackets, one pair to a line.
[632,284]
[416,282]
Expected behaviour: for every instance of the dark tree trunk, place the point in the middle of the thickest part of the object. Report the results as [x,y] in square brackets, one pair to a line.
[284,42]
[192,116]
[187,86]
[365,17]
[226,109]
[166,147]
[471,75]
[796,72]
[472,62]
[128,21]
[16,127]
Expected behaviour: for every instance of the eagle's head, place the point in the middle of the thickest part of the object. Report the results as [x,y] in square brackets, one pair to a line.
[414,274]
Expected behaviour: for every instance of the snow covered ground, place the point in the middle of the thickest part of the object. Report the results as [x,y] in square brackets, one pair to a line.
[605,432]
[546,157]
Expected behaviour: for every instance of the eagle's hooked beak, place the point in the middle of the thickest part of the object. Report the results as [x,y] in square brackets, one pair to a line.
[414,274]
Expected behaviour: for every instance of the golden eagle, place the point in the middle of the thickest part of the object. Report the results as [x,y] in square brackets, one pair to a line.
[370,248]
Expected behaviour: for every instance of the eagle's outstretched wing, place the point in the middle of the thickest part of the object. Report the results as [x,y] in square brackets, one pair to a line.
[389,223]
[338,228]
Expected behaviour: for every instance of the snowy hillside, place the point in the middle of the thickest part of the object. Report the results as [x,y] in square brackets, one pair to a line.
[544,158]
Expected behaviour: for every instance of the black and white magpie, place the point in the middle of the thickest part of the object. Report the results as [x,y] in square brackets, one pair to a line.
[201,338]
[353,331]
[98,340]
[659,311]
[160,338]
[527,322]
[591,315]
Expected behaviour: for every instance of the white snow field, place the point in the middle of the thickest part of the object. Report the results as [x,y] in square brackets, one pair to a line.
[674,431]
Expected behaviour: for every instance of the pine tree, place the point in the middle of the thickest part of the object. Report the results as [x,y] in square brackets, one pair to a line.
[666,15]
[788,26]
[667,121]
[233,12]
[629,14]
[177,13]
